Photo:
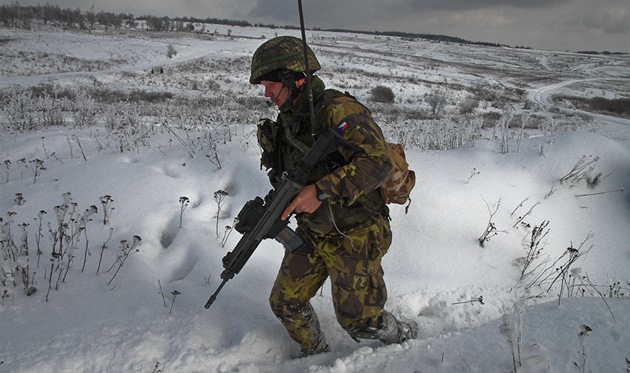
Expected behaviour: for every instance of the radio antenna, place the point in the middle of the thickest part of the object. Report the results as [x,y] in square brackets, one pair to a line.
[309,87]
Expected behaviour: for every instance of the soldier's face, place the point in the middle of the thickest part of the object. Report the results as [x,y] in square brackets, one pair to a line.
[275,91]
[279,94]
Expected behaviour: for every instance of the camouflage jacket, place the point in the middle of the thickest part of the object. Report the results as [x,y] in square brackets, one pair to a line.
[349,179]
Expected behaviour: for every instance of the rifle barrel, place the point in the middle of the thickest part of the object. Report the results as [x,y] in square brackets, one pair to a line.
[213,297]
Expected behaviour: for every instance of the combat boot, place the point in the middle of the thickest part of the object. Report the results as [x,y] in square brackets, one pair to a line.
[393,330]
[321,347]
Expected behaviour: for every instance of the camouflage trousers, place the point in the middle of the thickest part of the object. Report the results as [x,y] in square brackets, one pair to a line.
[352,262]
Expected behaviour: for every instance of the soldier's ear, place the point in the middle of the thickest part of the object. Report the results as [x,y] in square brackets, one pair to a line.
[300,82]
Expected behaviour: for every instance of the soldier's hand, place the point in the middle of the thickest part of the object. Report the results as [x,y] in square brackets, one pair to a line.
[306,201]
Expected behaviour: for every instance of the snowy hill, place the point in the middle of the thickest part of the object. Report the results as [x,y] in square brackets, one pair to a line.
[128,294]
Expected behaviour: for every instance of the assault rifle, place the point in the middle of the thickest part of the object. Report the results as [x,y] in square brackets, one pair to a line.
[260,219]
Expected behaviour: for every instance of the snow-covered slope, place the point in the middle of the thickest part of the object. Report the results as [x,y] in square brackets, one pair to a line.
[467,299]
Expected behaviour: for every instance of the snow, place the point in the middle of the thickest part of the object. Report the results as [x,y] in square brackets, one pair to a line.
[461,294]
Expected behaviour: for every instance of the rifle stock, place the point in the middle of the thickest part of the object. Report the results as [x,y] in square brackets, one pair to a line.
[269,223]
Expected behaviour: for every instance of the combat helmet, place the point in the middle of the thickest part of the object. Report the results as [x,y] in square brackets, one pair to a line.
[281,53]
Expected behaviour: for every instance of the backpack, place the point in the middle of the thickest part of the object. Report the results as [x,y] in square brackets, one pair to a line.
[398,185]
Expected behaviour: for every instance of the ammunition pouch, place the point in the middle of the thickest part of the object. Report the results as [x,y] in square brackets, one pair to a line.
[267,136]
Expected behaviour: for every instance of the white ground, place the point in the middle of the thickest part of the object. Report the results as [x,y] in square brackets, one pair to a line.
[436,270]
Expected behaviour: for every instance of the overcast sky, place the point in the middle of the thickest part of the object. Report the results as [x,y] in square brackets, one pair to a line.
[601,25]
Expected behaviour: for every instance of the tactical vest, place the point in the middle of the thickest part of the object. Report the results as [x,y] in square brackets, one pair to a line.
[293,140]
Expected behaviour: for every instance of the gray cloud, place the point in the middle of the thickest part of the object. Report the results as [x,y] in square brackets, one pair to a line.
[463,5]
[325,10]
[547,24]
[612,21]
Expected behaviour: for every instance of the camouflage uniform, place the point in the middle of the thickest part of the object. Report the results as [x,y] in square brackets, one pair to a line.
[348,234]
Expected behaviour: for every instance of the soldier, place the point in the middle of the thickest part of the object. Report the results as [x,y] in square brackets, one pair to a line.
[340,213]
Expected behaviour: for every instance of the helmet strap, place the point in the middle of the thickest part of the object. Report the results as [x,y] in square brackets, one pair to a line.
[287,78]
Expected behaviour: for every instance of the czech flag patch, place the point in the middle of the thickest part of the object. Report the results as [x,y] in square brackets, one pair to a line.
[343,126]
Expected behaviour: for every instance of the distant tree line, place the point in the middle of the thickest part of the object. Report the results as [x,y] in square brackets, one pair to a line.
[412,36]
[185,23]
[17,16]
[23,17]
[619,106]
[604,52]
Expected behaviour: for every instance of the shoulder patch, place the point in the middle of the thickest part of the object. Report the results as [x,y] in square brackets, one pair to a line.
[343,126]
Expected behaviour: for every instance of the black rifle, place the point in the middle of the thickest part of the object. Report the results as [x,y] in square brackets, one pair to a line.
[260,219]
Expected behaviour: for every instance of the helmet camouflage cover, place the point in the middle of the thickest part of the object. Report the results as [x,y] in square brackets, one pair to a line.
[281,53]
